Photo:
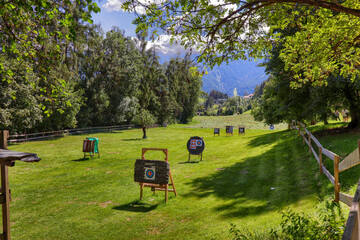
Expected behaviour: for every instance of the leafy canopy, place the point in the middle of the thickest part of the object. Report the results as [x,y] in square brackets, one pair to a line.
[227,30]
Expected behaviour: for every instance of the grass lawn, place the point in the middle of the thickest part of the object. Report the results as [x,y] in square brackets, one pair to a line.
[243,180]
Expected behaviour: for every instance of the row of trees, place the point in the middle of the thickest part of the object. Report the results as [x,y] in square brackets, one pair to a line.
[217,103]
[95,80]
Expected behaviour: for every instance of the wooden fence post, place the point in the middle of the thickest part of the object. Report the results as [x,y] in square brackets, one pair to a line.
[5,192]
[336,176]
[320,160]
[299,128]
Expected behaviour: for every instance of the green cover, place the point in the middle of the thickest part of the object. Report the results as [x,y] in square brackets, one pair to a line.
[96,143]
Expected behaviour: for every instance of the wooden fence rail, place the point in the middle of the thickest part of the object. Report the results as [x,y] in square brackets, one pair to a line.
[352,229]
[60,133]
[352,226]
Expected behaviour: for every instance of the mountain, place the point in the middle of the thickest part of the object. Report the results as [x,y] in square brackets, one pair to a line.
[242,75]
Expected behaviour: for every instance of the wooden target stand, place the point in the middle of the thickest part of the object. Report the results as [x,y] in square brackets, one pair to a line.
[7,159]
[159,187]
[241,130]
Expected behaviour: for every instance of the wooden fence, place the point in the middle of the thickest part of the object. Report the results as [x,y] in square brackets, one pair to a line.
[353,159]
[61,133]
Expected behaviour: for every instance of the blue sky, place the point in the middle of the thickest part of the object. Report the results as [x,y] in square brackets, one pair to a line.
[112,15]
[109,18]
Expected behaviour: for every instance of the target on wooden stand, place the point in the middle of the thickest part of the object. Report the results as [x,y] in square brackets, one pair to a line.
[154,173]
[241,130]
[217,131]
[229,130]
[195,146]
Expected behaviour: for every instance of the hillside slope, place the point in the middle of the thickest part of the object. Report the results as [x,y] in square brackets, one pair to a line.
[242,75]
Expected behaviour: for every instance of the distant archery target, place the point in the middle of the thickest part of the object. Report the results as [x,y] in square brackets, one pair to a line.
[229,129]
[242,130]
[272,127]
[216,130]
[195,145]
[150,173]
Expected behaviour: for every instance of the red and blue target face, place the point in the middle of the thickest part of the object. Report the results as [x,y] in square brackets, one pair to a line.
[229,129]
[241,130]
[195,145]
[272,127]
[150,173]
[216,130]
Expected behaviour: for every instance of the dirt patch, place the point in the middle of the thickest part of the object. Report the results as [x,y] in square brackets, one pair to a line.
[105,204]
[153,231]
[109,172]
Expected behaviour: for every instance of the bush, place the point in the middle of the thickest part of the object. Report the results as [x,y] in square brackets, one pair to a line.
[329,224]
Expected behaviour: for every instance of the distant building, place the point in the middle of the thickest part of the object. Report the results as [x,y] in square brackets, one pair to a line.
[248,97]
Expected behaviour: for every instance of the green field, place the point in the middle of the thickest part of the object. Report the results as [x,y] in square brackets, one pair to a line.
[243,180]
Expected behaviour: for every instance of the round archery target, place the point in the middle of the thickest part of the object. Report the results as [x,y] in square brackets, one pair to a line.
[272,127]
[195,145]
[150,173]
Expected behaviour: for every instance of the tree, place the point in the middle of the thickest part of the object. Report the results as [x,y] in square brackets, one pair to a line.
[144,118]
[33,31]
[230,30]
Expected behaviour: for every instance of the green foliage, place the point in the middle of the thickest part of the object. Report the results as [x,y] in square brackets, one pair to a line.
[327,40]
[329,224]
[144,118]
[35,32]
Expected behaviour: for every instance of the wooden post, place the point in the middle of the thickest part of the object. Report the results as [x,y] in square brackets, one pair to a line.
[336,176]
[4,137]
[299,128]
[6,202]
[5,192]
[141,190]
[309,137]
[166,192]
[320,160]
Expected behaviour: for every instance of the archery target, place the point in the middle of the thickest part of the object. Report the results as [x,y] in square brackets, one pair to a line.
[229,129]
[216,130]
[150,173]
[272,127]
[195,145]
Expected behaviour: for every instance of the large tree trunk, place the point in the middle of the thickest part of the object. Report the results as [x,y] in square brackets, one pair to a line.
[355,117]
[354,107]
[144,132]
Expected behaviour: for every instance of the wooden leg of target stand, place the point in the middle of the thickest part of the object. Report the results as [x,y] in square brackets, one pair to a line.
[5,201]
[172,183]
[141,190]
[166,192]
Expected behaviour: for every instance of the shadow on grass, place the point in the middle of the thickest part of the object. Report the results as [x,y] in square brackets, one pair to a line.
[189,162]
[83,159]
[136,207]
[269,181]
[131,139]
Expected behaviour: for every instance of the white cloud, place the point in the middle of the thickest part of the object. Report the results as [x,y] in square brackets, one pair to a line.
[162,45]
[115,5]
